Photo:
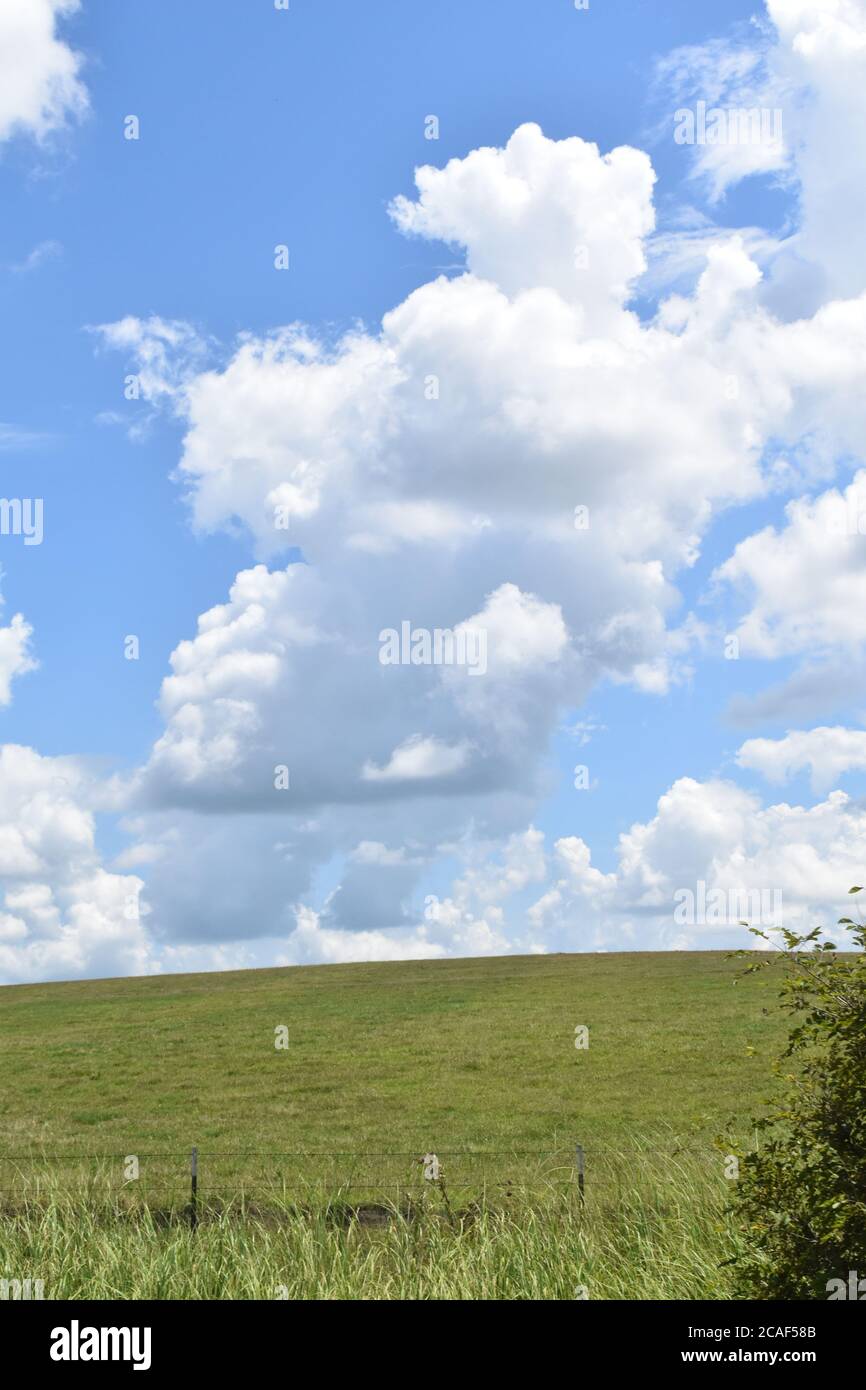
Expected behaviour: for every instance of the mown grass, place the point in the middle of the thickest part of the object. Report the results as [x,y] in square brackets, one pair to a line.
[650,1229]
[448,1054]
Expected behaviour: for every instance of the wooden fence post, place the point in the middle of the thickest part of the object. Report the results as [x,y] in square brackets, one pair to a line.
[581,1169]
[193,1211]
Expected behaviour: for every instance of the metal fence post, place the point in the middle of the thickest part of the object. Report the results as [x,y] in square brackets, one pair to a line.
[581,1170]
[193,1211]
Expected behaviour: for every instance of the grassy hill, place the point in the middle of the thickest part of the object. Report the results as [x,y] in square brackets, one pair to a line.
[382,1059]
[448,1053]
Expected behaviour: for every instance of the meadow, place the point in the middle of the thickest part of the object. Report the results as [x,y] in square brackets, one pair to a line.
[312,1094]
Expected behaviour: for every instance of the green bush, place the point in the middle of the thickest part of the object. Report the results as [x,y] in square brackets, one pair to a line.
[801,1198]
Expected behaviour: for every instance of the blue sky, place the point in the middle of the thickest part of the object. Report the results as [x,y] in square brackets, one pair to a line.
[260,127]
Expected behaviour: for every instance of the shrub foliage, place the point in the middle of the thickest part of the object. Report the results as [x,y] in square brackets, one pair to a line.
[801,1198]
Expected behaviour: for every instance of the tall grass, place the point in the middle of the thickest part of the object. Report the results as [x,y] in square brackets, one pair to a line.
[652,1227]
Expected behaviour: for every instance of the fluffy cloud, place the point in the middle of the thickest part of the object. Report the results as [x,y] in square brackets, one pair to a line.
[826,752]
[817,690]
[711,856]
[486,406]
[417,759]
[822,55]
[733,125]
[542,214]
[473,918]
[16,657]
[478,421]
[806,582]
[63,913]
[276,678]
[312,944]
[513,452]
[39,84]
[805,68]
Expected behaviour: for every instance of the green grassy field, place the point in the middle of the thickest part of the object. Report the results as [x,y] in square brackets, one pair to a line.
[442,1055]
[471,1059]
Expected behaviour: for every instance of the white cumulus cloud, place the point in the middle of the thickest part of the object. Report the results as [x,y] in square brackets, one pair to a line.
[16,655]
[827,753]
[40,87]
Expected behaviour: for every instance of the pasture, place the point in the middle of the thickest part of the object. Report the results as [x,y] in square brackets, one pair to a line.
[312,1093]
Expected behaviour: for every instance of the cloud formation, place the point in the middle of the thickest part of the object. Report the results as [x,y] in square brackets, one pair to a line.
[16,655]
[40,86]
[63,913]
[826,753]
[517,452]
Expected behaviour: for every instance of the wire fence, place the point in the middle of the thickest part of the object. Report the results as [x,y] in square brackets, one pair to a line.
[194,1179]
[199,1177]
